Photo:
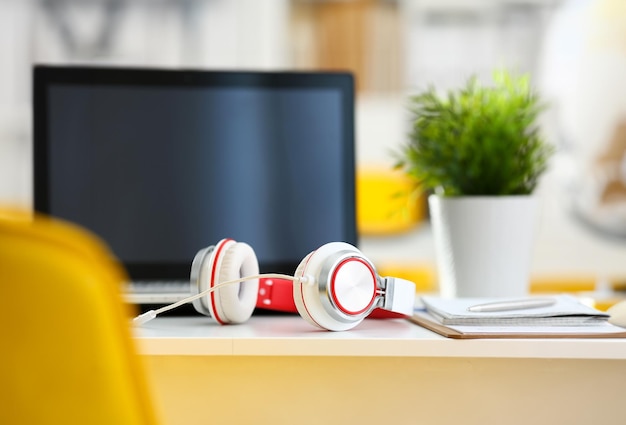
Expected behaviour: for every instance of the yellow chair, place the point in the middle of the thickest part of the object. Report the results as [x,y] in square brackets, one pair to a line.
[68,356]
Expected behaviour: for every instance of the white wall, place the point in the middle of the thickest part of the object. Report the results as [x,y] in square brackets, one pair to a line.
[223,34]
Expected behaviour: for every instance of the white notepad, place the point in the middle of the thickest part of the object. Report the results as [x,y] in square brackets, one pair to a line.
[566,311]
[604,330]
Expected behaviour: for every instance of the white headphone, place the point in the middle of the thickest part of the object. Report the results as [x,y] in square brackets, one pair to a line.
[228,260]
[335,287]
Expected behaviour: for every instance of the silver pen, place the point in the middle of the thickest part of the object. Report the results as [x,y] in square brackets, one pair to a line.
[512,305]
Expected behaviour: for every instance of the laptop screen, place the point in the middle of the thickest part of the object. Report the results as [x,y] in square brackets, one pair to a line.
[162,163]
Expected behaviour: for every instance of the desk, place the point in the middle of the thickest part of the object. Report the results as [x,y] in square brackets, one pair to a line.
[280,370]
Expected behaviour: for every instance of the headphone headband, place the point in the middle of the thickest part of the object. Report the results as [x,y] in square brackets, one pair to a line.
[399,295]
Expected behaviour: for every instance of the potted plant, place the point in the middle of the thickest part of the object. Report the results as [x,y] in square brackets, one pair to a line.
[479,151]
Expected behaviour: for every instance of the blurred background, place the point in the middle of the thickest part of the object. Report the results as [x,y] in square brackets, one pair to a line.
[574,51]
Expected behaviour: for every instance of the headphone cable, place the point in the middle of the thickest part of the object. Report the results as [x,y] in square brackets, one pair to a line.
[151,314]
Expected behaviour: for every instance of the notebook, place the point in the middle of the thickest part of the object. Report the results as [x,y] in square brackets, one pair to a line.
[565,311]
[566,318]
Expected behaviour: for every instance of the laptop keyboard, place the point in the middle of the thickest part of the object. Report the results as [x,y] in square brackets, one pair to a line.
[156,291]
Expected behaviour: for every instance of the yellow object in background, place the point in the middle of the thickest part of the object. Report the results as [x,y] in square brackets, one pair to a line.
[583,286]
[68,355]
[423,275]
[386,201]
[562,283]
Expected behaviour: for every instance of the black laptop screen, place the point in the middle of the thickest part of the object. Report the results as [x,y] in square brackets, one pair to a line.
[163,163]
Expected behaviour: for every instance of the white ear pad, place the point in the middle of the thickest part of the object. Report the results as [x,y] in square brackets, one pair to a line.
[228,260]
[235,303]
[343,288]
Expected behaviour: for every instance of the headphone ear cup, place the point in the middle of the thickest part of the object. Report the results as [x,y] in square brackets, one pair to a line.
[310,297]
[235,303]
[227,260]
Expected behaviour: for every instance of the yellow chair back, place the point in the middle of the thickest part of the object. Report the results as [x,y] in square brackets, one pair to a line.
[68,355]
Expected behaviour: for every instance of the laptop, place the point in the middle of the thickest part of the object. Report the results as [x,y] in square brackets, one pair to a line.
[161,163]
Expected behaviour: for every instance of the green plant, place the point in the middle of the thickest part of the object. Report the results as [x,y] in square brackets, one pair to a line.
[477,140]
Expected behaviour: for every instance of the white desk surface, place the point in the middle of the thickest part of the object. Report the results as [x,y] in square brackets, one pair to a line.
[293,336]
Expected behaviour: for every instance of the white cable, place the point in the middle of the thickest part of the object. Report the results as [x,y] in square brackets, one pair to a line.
[151,314]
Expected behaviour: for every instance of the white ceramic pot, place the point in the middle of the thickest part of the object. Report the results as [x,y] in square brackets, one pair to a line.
[483,244]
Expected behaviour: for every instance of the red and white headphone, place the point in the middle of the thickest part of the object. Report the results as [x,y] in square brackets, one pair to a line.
[335,287]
